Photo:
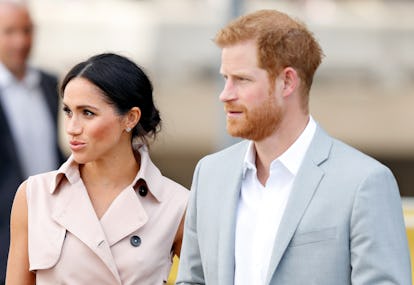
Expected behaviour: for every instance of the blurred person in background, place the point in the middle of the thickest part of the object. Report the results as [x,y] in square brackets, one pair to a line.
[289,204]
[107,215]
[28,114]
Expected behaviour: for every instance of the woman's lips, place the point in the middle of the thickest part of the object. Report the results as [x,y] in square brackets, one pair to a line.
[76,145]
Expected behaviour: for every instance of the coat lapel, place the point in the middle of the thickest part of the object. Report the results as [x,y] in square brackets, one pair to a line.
[73,211]
[230,193]
[125,215]
[304,187]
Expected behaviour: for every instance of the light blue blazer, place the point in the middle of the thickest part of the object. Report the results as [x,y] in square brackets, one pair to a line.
[343,223]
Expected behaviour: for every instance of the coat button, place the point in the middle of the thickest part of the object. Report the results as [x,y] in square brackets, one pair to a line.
[135,241]
[143,190]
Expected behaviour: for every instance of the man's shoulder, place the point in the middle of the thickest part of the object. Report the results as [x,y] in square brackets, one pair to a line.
[334,154]
[346,156]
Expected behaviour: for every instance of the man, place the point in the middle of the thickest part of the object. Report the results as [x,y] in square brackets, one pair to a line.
[28,114]
[290,204]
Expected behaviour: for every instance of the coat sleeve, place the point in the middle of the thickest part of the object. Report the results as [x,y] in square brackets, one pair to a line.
[190,270]
[378,241]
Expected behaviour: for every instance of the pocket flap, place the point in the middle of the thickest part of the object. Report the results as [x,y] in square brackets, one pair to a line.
[45,249]
[317,235]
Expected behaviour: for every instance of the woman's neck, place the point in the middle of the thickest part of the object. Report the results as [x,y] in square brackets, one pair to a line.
[111,172]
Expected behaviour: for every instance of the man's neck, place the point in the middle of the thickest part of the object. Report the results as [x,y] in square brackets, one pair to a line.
[270,148]
[17,73]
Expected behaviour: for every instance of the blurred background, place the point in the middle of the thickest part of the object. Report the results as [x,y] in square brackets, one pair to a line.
[363,92]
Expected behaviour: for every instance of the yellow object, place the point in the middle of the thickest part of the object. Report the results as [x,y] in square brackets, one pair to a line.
[410,235]
[409,222]
[173,272]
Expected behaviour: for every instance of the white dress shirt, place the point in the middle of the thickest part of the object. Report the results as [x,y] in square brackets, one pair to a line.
[261,208]
[30,121]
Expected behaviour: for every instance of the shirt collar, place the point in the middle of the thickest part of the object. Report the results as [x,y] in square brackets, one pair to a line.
[30,80]
[291,158]
[147,172]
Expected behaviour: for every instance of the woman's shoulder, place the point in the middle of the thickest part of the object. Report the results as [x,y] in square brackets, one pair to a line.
[174,192]
[46,181]
[175,186]
[43,177]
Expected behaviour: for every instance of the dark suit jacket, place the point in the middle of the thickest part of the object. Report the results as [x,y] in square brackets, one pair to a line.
[11,174]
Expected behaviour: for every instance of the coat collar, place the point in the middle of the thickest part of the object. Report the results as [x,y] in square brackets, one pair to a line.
[147,172]
[150,174]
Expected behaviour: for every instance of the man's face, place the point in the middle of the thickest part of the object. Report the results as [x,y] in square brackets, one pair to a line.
[251,102]
[16,30]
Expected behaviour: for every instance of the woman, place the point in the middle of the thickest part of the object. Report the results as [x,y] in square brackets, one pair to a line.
[107,216]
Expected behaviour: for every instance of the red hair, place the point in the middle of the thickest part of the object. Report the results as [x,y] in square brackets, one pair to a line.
[281,42]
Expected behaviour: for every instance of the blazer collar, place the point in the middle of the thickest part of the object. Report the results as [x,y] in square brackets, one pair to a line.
[230,193]
[307,181]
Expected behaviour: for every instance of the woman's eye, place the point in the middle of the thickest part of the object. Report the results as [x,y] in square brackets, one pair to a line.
[67,111]
[88,113]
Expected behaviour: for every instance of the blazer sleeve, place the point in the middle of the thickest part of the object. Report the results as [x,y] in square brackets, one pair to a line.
[378,241]
[190,270]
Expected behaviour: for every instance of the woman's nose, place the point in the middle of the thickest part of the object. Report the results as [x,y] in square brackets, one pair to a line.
[73,126]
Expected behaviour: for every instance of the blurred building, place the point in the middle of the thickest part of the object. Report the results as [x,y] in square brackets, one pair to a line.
[362,94]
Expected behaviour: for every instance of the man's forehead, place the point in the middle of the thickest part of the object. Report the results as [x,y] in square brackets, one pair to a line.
[7,7]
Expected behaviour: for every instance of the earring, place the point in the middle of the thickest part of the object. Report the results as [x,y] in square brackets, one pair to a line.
[128,130]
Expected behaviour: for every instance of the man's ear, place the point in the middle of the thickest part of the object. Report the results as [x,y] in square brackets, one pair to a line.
[290,80]
[132,117]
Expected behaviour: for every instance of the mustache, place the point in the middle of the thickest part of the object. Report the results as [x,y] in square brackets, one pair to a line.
[231,107]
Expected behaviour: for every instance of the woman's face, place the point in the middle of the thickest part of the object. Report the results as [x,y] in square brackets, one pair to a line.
[95,131]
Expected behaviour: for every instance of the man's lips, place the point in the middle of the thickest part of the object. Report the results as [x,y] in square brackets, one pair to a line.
[233,112]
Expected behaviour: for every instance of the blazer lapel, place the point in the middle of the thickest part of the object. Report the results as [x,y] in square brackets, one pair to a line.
[73,211]
[230,193]
[304,187]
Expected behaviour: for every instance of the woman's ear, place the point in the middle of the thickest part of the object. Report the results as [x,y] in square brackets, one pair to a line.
[132,117]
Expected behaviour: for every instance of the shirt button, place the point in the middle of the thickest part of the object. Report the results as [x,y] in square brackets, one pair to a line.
[143,190]
[135,241]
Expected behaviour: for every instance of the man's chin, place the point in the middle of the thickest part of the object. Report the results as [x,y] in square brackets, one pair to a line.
[236,133]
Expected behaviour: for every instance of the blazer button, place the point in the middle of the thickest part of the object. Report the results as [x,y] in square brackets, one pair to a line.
[135,241]
[143,190]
